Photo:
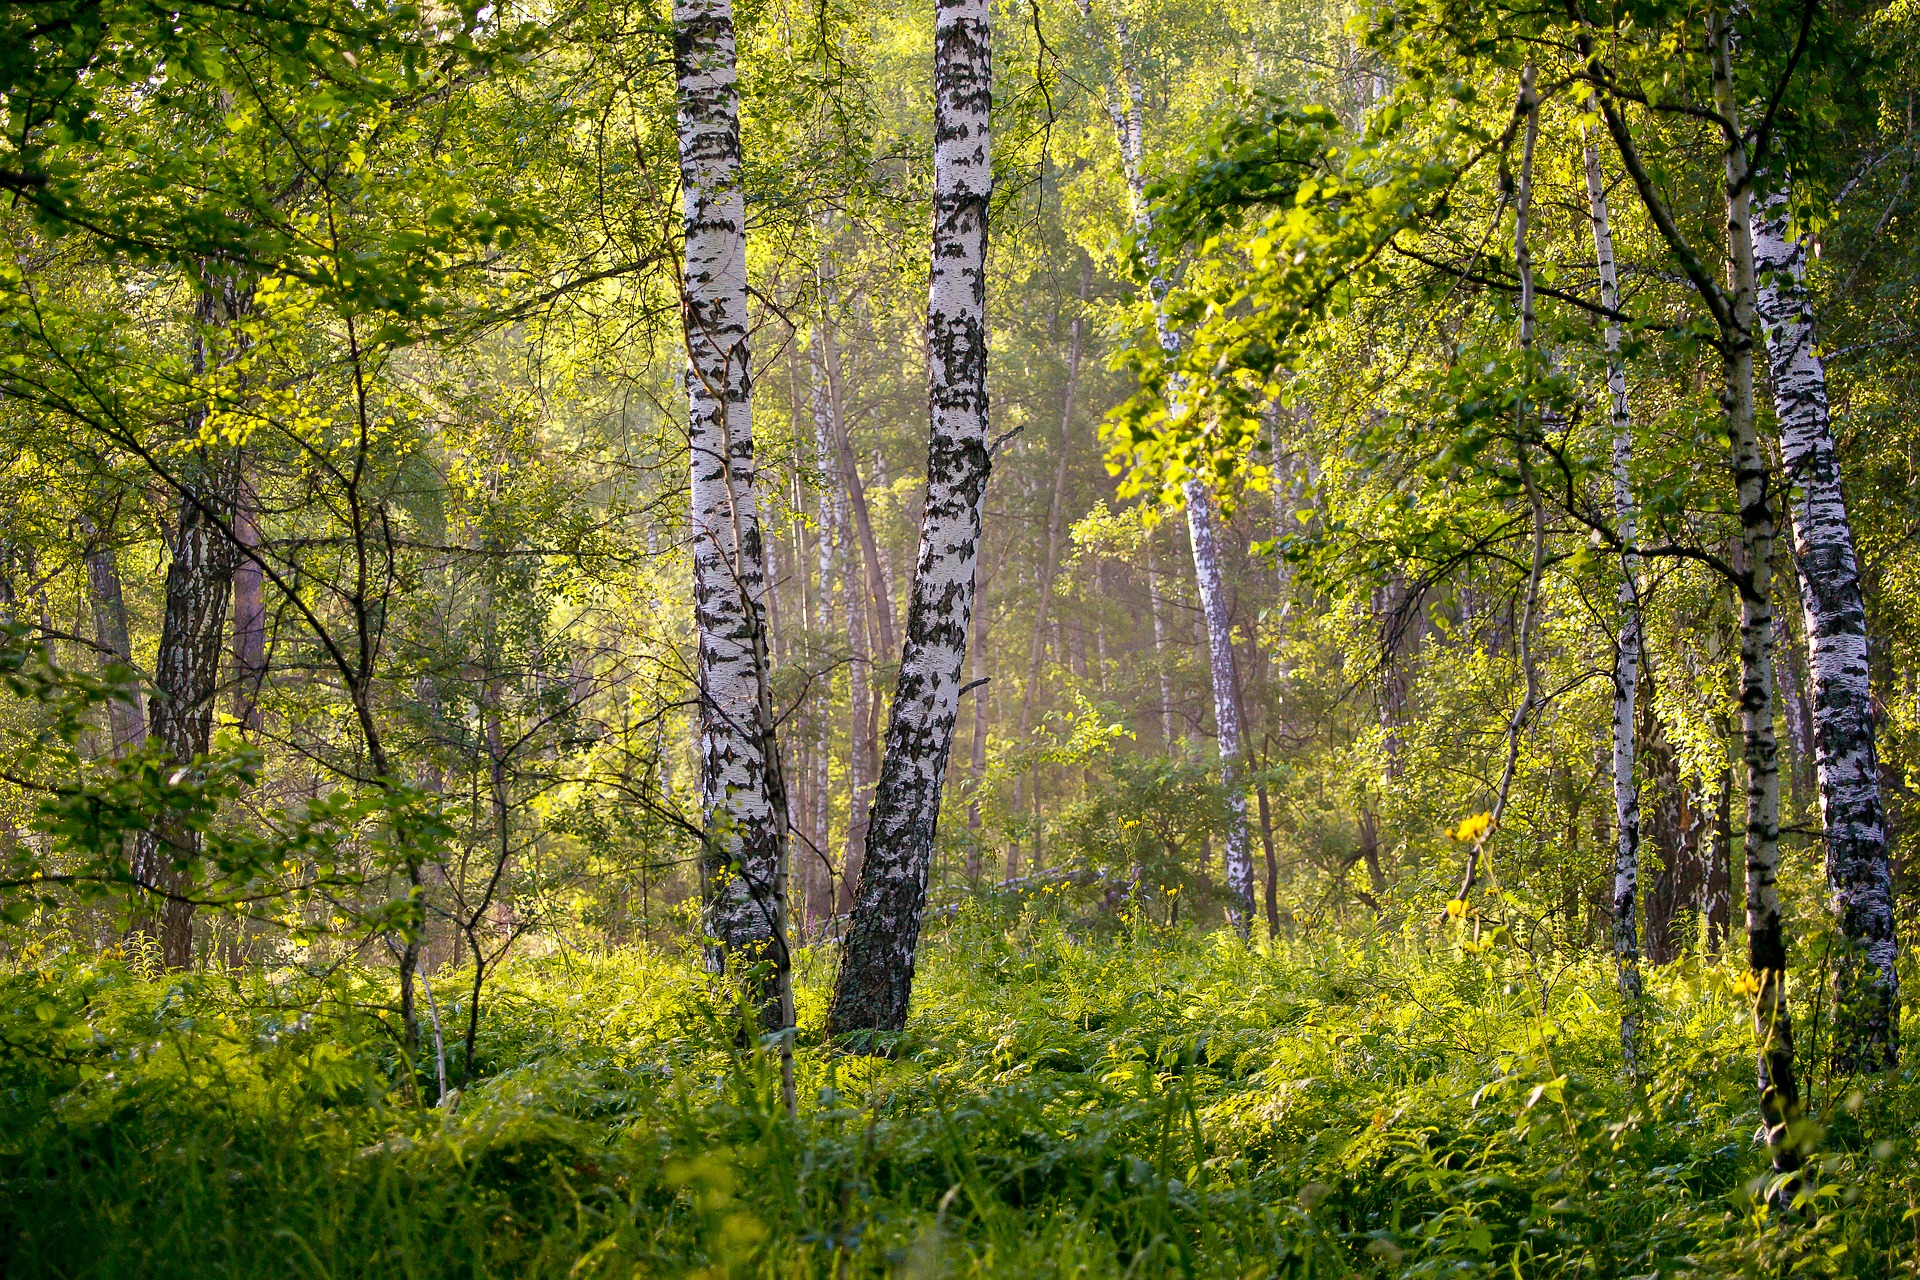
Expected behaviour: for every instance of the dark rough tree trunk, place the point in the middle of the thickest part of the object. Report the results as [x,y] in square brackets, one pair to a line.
[1716,890]
[1663,835]
[742,802]
[186,683]
[1866,981]
[187,669]
[876,965]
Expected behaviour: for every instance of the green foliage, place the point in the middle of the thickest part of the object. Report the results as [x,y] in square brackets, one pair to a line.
[1164,1103]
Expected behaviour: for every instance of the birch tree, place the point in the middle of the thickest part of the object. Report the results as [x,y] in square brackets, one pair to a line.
[1127,118]
[1626,658]
[1866,981]
[1736,323]
[742,810]
[877,961]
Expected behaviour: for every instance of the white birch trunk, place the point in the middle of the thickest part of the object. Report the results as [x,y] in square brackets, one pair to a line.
[876,968]
[1866,979]
[1129,131]
[1766,931]
[741,813]
[1226,703]
[1626,659]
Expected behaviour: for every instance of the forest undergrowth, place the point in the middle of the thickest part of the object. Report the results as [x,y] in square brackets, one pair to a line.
[1147,1102]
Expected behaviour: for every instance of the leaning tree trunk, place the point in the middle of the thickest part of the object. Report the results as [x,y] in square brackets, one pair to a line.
[1129,134]
[876,965]
[1766,930]
[1626,658]
[1866,982]
[741,809]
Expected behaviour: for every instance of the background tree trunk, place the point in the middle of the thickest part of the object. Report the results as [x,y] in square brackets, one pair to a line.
[249,619]
[1129,130]
[187,669]
[125,720]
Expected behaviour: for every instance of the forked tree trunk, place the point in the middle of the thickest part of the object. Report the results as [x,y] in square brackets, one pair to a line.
[876,966]
[1626,657]
[742,809]
[1866,982]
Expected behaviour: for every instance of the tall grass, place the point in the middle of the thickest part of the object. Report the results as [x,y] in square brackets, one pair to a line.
[1153,1103]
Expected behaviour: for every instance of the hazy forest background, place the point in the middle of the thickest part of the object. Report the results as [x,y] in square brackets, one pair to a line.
[1129,637]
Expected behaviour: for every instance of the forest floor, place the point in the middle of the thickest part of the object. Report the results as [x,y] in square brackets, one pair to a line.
[1140,1103]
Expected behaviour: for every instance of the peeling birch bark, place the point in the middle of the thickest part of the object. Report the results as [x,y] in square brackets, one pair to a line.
[877,961]
[741,808]
[1866,982]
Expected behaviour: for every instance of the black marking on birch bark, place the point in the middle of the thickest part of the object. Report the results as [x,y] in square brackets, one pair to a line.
[1626,669]
[1779,1094]
[1866,983]
[741,815]
[875,981]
